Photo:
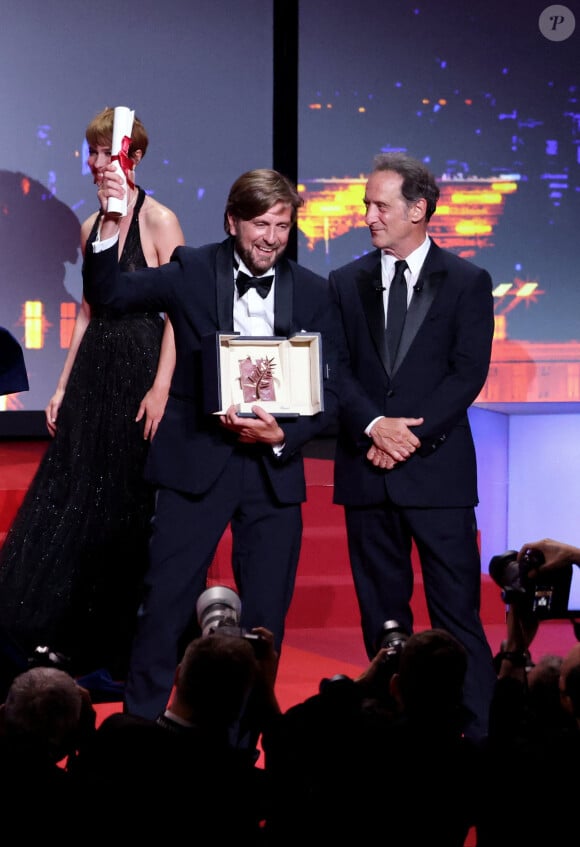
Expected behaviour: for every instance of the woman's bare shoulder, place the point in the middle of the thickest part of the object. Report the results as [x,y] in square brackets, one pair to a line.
[157,213]
[160,229]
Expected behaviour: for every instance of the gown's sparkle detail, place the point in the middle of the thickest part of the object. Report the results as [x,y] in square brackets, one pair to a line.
[72,562]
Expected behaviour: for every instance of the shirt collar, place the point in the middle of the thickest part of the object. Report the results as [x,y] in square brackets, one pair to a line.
[414,260]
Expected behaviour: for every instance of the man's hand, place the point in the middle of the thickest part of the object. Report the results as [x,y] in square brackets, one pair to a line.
[393,436]
[380,459]
[556,554]
[268,658]
[522,626]
[375,670]
[263,428]
[267,655]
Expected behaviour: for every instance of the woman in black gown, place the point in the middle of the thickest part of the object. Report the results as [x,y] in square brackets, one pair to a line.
[72,562]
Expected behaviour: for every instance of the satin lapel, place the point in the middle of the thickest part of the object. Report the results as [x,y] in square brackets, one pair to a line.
[431,277]
[370,291]
[225,285]
[283,299]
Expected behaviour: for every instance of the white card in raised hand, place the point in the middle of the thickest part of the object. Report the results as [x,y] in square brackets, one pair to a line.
[122,128]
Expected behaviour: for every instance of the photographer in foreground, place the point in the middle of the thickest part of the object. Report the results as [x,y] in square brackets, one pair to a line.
[44,719]
[527,703]
[351,760]
[534,732]
[195,757]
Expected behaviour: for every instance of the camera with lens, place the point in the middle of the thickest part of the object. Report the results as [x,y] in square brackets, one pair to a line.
[219,611]
[371,692]
[545,596]
[392,638]
[44,657]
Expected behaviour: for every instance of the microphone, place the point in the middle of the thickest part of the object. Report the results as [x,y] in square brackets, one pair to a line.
[418,287]
[380,288]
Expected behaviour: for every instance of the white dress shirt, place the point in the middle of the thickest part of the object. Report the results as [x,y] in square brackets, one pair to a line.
[415,263]
[253,315]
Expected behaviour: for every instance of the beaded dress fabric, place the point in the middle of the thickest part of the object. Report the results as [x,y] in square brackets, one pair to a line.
[72,564]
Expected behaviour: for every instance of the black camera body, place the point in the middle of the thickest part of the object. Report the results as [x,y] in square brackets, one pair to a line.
[392,638]
[546,596]
[373,691]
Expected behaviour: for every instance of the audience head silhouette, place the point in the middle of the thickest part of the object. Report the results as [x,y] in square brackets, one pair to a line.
[214,679]
[42,710]
[430,677]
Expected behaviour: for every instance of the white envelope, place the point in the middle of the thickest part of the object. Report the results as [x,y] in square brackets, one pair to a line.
[122,126]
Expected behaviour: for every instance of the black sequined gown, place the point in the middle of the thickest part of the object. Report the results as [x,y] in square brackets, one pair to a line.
[72,562]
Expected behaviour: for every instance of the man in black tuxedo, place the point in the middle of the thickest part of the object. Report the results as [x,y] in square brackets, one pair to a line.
[213,470]
[405,465]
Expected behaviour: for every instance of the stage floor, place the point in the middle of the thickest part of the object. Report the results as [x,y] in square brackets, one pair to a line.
[323,636]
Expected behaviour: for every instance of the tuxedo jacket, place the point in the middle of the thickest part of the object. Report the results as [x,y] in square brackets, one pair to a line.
[196,290]
[441,366]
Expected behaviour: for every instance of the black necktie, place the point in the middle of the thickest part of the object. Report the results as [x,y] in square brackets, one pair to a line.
[262,284]
[397,308]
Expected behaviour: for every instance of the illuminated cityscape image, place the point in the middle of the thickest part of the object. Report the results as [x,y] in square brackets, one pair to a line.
[489,99]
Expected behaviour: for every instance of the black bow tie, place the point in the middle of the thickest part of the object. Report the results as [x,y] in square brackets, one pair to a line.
[262,284]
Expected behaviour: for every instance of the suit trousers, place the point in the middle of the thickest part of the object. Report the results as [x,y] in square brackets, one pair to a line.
[186,530]
[380,540]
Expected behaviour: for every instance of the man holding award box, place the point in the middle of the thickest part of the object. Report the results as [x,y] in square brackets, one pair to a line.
[213,470]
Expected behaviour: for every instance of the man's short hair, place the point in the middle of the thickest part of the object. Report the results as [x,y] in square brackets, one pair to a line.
[216,675]
[254,192]
[43,706]
[418,181]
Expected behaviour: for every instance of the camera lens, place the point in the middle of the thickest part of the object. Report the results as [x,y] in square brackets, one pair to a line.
[218,607]
[392,636]
[507,572]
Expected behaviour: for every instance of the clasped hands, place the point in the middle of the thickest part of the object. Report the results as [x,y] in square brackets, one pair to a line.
[264,427]
[393,441]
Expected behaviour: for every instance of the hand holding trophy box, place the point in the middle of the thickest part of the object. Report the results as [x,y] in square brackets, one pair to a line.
[121,142]
[282,375]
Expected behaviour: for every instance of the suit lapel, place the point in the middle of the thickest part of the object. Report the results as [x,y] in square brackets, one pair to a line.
[370,291]
[426,288]
[225,285]
[283,300]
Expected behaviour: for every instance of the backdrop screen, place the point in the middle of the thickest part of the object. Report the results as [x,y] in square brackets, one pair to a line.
[487,94]
[190,70]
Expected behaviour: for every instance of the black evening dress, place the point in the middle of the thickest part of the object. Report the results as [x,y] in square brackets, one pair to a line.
[72,563]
